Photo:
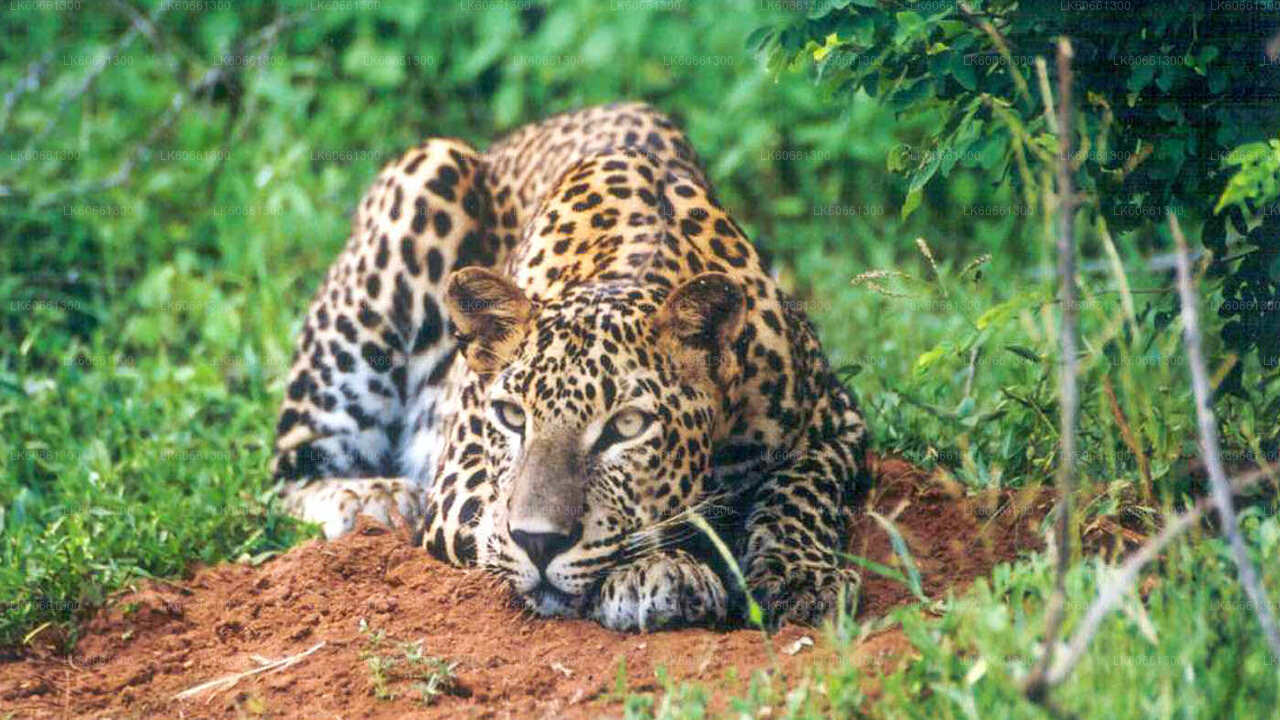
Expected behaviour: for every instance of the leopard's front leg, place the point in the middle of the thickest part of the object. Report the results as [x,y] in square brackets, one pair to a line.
[666,589]
[795,532]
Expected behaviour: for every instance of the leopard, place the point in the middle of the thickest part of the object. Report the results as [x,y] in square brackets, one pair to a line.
[560,360]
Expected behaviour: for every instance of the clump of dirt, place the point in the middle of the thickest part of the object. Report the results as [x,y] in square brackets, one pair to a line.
[491,659]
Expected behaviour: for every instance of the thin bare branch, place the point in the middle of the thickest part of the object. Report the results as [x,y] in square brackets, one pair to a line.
[1120,583]
[265,666]
[29,81]
[1046,95]
[165,52]
[1209,444]
[1002,47]
[1069,401]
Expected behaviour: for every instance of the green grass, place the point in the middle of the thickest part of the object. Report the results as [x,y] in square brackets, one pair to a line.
[1207,659]
[407,662]
[145,329]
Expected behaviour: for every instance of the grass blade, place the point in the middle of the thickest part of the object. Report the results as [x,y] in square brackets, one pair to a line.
[903,553]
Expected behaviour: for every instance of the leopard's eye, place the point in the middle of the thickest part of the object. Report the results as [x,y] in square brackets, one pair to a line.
[509,414]
[629,423]
[625,425]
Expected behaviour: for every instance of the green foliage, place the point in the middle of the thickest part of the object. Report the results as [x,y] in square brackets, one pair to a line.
[976,655]
[1257,181]
[1163,92]
[1252,291]
[967,377]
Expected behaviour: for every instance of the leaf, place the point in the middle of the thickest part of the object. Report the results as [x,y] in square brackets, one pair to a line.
[929,357]
[877,568]
[963,72]
[1257,180]
[1247,154]
[508,103]
[925,173]
[376,65]
[847,372]
[1208,54]
[791,206]
[1165,78]
[1169,112]
[910,27]
[759,39]
[823,8]
[911,203]
[755,614]
[1140,77]
[828,45]
[1023,353]
[1000,313]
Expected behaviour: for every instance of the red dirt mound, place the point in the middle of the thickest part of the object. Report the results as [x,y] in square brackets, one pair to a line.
[151,645]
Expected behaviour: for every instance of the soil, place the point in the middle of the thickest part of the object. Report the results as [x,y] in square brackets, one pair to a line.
[134,656]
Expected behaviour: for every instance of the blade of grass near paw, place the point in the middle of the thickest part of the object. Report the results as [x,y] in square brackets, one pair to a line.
[904,555]
[754,612]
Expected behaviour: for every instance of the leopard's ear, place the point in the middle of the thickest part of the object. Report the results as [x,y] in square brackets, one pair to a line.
[698,323]
[491,315]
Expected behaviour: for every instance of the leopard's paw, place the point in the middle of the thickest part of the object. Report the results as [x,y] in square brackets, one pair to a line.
[335,504]
[660,591]
[803,593]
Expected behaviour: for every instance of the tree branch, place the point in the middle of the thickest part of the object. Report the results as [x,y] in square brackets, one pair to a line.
[1069,402]
[1209,444]
[29,81]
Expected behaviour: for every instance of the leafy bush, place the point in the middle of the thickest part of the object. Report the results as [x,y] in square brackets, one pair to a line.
[1164,92]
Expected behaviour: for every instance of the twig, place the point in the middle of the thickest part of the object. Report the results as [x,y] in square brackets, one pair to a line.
[152,33]
[1002,47]
[1054,613]
[1119,583]
[972,371]
[1042,79]
[230,680]
[29,81]
[139,21]
[1209,444]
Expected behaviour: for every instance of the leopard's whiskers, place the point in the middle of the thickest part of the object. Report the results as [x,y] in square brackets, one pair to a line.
[672,531]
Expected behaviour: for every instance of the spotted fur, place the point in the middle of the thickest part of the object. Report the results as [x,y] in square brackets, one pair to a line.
[551,355]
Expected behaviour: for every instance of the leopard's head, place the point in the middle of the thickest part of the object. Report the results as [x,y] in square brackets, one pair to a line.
[602,410]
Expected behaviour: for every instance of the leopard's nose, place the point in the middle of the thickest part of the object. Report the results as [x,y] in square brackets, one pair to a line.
[543,547]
